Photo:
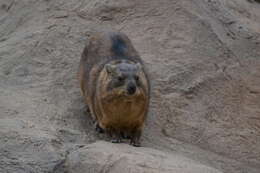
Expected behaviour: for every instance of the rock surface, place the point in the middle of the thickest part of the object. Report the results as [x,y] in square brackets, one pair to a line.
[203,59]
[113,158]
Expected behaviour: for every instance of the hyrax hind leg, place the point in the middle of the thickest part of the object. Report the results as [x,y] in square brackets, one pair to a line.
[98,128]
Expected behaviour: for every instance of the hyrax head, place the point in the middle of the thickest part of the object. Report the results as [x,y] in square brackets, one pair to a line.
[124,77]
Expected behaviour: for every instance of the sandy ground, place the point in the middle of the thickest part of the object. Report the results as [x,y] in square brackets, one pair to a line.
[203,58]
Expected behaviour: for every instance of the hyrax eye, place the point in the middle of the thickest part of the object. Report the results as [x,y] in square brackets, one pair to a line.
[136,78]
[120,78]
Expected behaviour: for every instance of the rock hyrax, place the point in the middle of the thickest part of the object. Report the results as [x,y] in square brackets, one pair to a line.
[115,85]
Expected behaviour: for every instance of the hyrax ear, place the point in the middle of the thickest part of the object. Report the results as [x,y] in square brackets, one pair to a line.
[138,66]
[110,68]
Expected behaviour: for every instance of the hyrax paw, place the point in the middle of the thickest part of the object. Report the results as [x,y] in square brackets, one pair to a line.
[116,140]
[135,143]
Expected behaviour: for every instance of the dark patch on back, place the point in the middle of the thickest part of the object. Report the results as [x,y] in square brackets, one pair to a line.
[119,47]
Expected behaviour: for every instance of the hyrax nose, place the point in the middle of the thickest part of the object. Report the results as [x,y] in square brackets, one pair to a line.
[131,88]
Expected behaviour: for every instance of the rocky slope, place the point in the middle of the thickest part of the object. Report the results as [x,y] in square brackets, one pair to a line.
[204,61]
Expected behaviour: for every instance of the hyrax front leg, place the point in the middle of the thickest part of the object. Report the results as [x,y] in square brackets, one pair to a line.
[115,135]
[135,137]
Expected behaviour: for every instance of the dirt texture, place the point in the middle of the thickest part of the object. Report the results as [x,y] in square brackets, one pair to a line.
[203,58]
[107,157]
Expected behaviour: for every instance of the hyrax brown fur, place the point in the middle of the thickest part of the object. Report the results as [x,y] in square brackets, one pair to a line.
[115,85]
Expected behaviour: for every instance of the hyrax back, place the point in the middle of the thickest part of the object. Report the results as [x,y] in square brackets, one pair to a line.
[115,85]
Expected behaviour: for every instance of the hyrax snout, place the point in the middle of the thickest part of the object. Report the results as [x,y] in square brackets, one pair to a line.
[115,85]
